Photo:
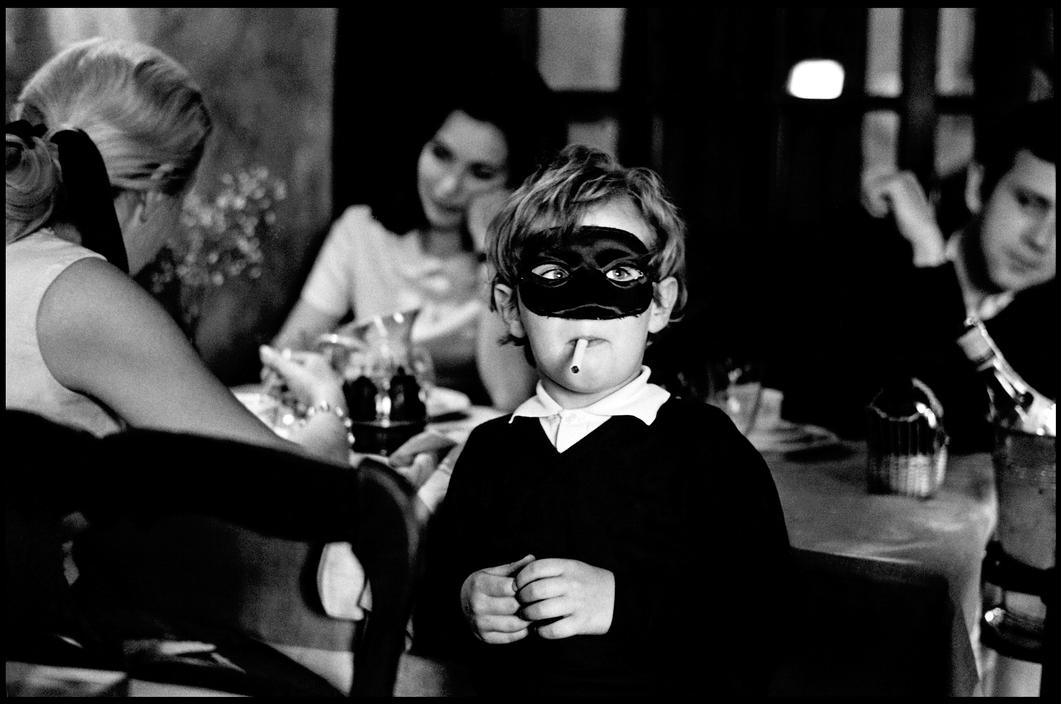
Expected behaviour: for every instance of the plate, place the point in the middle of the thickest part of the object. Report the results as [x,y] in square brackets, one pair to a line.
[783,436]
[442,402]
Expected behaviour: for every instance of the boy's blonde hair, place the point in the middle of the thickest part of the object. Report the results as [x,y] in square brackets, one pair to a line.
[559,193]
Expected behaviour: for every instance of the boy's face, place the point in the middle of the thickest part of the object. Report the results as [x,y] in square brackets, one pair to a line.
[616,345]
[1018,227]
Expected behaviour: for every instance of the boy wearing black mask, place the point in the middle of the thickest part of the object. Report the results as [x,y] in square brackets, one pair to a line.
[592,541]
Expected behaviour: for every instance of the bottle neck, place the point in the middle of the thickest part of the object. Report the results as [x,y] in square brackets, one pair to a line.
[1013,400]
[999,381]
[981,350]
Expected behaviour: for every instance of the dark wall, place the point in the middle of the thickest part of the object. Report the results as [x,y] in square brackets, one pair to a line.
[696,98]
[758,178]
[390,62]
[267,77]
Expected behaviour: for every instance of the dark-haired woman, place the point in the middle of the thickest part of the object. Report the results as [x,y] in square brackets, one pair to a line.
[421,247]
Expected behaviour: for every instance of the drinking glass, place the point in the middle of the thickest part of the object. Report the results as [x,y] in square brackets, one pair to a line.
[423,369]
[735,385]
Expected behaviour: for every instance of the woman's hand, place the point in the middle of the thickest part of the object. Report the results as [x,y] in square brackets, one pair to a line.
[573,597]
[422,455]
[310,379]
[307,375]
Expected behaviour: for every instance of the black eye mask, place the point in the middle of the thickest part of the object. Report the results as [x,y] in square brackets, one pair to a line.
[595,273]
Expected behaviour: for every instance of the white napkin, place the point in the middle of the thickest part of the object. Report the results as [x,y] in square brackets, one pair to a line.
[341,583]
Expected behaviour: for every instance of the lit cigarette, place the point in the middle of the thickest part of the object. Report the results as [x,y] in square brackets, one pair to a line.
[580,350]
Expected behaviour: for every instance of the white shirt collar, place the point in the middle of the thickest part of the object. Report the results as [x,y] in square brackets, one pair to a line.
[638,398]
[982,306]
[566,426]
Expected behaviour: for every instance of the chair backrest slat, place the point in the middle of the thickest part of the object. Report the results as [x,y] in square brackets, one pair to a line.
[175,513]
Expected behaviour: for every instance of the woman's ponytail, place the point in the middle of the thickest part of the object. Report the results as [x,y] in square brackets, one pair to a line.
[33,179]
[61,177]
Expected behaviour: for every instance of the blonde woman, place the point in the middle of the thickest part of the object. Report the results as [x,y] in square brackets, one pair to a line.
[107,138]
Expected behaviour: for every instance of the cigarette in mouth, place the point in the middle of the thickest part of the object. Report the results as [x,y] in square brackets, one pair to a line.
[576,358]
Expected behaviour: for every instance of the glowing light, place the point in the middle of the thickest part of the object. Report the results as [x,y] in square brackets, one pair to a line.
[816,79]
[994,616]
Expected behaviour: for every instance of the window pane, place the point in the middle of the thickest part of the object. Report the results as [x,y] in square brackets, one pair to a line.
[882,52]
[580,47]
[955,54]
[1042,83]
[954,143]
[880,133]
[602,134]
[71,24]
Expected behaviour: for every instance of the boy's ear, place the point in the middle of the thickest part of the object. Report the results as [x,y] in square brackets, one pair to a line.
[508,305]
[662,304]
[974,179]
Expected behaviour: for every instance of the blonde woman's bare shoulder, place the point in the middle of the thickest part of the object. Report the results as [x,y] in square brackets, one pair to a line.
[95,311]
[93,288]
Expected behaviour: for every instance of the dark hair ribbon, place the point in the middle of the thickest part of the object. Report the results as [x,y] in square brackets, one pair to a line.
[90,204]
[90,201]
[25,131]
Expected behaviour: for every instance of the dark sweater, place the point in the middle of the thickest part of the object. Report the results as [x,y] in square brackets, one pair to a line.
[685,514]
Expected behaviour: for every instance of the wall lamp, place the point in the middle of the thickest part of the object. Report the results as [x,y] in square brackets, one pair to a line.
[816,79]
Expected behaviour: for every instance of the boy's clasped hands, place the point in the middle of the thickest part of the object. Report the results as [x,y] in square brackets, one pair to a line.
[555,598]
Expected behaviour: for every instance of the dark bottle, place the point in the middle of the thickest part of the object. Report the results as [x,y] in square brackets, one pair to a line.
[1013,400]
[360,396]
[404,392]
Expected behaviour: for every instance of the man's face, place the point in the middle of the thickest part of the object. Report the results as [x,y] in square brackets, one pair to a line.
[1018,226]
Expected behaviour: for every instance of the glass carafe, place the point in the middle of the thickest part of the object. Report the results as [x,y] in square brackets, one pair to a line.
[907,444]
[386,379]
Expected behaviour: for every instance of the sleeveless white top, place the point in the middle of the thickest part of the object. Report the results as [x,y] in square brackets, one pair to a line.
[32,264]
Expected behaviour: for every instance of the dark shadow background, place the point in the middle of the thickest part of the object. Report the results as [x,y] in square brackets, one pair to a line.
[338,102]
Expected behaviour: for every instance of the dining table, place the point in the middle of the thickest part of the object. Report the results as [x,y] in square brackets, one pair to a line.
[829,508]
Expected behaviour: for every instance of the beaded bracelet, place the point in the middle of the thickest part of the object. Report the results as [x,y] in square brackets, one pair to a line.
[326,407]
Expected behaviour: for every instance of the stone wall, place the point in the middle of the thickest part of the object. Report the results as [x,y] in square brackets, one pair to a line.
[267,74]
